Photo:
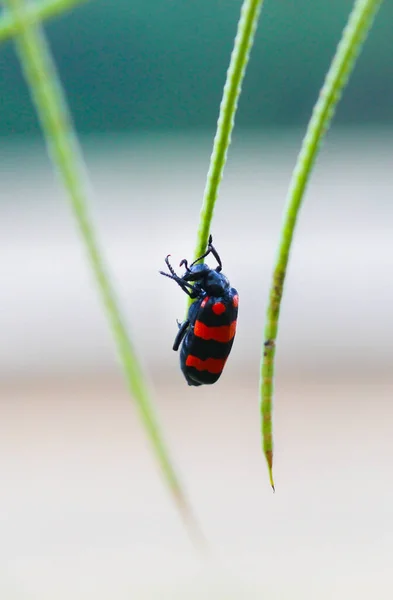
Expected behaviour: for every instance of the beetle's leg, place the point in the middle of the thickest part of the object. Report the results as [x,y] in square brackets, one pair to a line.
[180,334]
[203,256]
[171,269]
[210,249]
[175,276]
[215,254]
[194,293]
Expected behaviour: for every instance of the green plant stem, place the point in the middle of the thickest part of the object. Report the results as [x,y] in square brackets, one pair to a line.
[37,12]
[240,54]
[354,34]
[49,99]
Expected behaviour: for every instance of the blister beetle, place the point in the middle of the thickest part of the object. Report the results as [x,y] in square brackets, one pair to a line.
[209,330]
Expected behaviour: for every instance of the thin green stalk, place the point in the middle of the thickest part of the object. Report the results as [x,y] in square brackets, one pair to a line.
[49,99]
[37,12]
[353,36]
[247,25]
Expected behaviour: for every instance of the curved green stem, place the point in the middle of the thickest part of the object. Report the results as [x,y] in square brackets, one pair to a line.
[354,34]
[50,102]
[240,54]
[40,11]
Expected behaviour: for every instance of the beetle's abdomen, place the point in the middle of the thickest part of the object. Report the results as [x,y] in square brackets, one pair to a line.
[209,340]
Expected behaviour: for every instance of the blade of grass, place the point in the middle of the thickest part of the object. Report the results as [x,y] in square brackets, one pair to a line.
[354,34]
[49,99]
[37,12]
[247,25]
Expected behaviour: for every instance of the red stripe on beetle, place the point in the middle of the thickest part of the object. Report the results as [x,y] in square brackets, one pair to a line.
[212,365]
[235,301]
[224,333]
[204,301]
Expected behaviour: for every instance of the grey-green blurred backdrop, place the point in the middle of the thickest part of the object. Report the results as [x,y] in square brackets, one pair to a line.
[161,65]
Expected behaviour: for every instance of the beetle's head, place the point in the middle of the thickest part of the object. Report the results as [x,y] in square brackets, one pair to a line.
[211,281]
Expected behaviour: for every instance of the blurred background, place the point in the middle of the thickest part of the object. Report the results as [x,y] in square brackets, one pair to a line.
[83,509]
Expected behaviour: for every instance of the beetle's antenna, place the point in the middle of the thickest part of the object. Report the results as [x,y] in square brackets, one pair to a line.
[185,263]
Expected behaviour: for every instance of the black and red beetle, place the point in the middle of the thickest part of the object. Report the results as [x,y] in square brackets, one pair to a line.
[209,330]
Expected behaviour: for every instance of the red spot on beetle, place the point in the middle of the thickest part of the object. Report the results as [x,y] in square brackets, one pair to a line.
[235,301]
[218,308]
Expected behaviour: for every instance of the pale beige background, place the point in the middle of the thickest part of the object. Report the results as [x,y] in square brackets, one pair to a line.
[83,510]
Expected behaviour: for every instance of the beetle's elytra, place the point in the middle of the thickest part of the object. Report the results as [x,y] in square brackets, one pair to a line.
[209,330]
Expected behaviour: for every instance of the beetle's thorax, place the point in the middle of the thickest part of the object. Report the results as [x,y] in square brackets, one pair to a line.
[215,284]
